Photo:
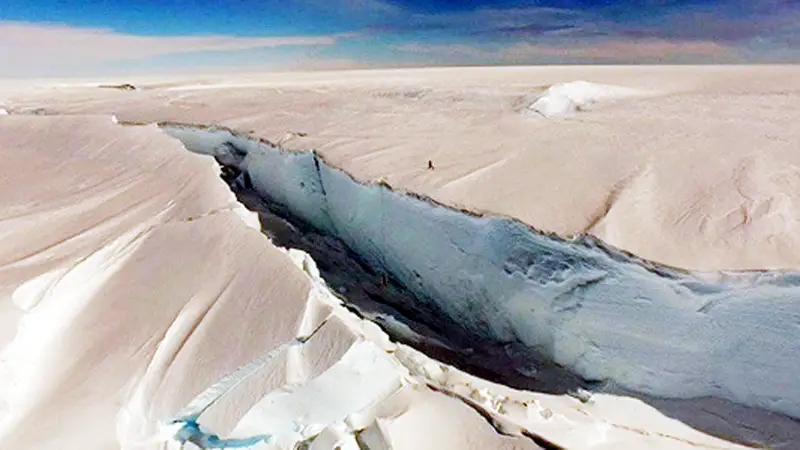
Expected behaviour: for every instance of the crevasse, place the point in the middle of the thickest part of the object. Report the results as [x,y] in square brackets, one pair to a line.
[572,306]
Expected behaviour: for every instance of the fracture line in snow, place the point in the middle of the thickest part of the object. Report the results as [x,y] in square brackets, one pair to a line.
[228,383]
[191,431]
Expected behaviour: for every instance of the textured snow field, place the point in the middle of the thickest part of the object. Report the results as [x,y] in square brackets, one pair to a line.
[132,279]
[728,134]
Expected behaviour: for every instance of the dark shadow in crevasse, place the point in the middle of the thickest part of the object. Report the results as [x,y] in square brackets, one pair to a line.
[374,293]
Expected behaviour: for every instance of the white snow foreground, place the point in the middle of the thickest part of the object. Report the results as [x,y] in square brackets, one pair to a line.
[147,286]
[598,312]
[382,395]
[565,99]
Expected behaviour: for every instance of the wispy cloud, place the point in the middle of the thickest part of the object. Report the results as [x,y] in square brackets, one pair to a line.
[478,21]
[735,22]
[613,32]
[361,6]
[35,48]
[660,50]
[414,32]
[650,50]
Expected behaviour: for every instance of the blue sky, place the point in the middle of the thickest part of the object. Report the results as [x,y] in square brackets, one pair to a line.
[61,37]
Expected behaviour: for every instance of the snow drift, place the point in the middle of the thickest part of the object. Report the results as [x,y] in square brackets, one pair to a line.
[590,309]
[565,99]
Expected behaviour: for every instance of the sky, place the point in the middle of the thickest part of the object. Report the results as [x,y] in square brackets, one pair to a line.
[41,38]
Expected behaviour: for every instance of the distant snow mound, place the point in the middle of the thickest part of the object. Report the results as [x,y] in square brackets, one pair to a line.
[3,112]
[121,87]
[565,99]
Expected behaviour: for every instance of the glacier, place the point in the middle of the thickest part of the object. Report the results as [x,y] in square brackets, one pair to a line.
[578,312]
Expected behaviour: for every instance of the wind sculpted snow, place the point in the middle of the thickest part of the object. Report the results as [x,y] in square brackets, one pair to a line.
[570,306]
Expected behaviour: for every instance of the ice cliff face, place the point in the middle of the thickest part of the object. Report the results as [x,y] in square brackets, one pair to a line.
[572,306]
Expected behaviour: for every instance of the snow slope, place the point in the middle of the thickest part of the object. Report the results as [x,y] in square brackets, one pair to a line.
[592,309]
[131,280]
[383,394]
[122,273]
